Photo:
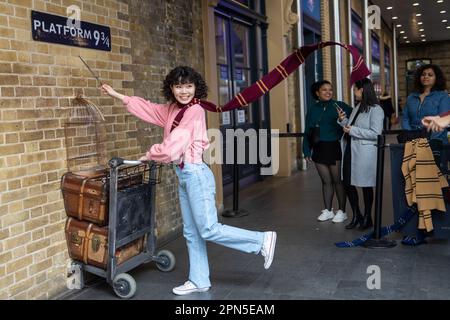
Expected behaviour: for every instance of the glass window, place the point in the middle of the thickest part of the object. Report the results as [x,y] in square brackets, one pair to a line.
[376,72]
[221,43]
[357,33]
[375,48]
[311,8]
[242,80]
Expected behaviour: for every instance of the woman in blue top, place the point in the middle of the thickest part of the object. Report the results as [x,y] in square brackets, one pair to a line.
[326,154]
[430,98]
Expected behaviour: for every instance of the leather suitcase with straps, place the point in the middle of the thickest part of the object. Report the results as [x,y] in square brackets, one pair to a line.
[88,243]
[85,194]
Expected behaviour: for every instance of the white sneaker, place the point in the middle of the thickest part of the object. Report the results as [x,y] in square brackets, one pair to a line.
[339,217]
[187,288]
[268,248]
[326,215]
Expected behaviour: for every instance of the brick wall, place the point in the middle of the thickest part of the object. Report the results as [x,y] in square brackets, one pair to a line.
[37,82]
[438,52]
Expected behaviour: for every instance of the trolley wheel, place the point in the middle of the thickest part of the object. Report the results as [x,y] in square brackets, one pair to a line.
[166,261]
[124,285]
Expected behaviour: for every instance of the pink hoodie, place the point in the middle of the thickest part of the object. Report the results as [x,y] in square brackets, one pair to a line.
[185,143]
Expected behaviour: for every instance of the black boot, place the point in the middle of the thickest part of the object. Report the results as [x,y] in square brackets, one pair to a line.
[366,222]
[356,219]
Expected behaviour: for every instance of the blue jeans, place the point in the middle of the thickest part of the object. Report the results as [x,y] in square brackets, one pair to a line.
[197,191]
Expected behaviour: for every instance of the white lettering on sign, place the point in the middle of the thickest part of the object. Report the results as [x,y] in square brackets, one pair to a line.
[60,29]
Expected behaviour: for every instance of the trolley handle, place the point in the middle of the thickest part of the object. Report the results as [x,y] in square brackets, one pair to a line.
[132,161]
[116,162]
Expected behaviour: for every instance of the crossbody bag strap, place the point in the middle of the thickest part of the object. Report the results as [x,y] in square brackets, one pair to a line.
[321,116]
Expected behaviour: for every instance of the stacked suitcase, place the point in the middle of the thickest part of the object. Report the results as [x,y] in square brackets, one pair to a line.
[86,199]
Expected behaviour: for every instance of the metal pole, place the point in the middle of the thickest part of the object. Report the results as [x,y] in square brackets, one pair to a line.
[338,56]
[114,164]
[395,81]
[235,179]
[377,241]
[367,37]
[350,41]
[379,186]
[235,212]
[301,77]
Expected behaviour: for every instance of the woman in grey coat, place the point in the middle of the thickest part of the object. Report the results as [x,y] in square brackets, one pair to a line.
[359,150]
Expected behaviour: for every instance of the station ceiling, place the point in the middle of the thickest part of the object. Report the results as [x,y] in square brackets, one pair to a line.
[417,21]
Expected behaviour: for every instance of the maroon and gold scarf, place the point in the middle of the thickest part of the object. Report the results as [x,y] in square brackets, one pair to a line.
[274,77]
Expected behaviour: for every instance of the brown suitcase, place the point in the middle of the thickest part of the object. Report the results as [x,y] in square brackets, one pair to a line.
[85,194]
[85,197]
[89,243]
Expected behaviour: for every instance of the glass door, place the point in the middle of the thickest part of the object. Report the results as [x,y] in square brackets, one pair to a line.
[235,69]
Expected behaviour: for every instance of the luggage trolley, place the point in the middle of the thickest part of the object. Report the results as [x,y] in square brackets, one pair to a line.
[131,216]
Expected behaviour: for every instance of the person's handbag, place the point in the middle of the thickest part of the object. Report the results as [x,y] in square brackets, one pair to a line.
[314,135]
[314,132]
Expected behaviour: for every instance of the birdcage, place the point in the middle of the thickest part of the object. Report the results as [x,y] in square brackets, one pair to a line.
[85,134]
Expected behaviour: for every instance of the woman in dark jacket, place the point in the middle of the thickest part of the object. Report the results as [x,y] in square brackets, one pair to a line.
[388,108]
[326,154]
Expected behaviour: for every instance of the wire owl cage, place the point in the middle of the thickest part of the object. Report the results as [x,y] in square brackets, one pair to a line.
[85,136]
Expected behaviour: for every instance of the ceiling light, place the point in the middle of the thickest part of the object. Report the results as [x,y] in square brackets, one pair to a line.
[418,14]
[422,35]
[448,27]
[402,31]
[398,26]
[407,41]
[405,37]
[440,1]
[389,8]
[421,30]
[445,20]
[394,18]
[420,22]
[423,40]
[443,11]
[415,4]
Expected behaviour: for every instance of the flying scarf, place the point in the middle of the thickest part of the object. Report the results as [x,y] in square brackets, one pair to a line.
[274,77]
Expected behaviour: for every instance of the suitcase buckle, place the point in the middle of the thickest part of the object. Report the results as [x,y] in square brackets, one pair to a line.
[91,206]
[95,243]
[75,238]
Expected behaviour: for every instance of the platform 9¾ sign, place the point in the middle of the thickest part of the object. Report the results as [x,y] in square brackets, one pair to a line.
[56,29]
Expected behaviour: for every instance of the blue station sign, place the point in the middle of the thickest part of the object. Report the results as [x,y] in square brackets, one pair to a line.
[56,29]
